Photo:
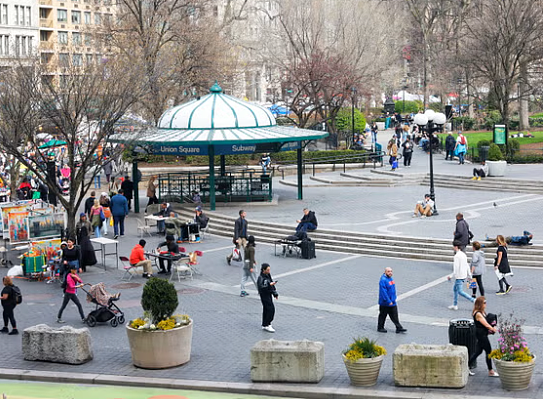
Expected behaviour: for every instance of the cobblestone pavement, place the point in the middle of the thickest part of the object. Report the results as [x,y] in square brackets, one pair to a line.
[331,299]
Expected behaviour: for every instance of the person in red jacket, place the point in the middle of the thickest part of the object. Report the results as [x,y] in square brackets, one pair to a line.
[137,258]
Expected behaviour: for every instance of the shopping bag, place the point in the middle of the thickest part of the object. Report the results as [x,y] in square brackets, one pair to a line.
[111,221]
[472,284]
[395,165]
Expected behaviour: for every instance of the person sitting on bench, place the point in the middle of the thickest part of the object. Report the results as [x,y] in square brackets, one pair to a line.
[524,239]
[480,172]
[308,222]
[425,207]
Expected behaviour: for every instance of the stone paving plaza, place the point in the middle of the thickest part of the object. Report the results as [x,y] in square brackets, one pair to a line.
[331,298]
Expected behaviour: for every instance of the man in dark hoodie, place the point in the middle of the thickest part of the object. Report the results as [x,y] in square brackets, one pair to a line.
[462,235]
[89,202]
[308,222]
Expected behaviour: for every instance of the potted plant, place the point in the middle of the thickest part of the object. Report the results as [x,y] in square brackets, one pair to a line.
[160,339]
[363,359]
[513,359]
[496,163]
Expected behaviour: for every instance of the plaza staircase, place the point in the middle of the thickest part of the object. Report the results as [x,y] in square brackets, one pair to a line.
[486,184]
[380,245]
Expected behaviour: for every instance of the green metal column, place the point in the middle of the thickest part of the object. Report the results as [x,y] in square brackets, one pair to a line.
[211,152]
[223,165]
[136,189]
[300,179]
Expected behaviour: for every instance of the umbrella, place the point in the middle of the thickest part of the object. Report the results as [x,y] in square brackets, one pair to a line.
[52,143]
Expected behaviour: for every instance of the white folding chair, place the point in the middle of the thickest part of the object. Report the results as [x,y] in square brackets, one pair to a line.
[203,231]
[181,269]
[143,228]
[128,268]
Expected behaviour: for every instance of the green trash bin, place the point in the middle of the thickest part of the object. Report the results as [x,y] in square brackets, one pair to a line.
[378,156]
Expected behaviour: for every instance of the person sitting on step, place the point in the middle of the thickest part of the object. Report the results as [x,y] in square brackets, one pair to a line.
[524,239]
[480,172]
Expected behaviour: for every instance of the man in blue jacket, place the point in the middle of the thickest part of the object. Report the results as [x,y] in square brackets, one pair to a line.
[119,210]
[387,302]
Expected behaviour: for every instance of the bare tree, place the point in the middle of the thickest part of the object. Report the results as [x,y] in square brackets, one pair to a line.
[82,106]
[504,46]
[179,44]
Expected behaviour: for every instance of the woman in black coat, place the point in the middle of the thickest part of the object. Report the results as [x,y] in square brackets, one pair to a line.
[266,289]
[88,256]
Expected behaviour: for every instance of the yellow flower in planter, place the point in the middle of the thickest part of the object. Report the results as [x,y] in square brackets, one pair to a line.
[363,348]
[137,323]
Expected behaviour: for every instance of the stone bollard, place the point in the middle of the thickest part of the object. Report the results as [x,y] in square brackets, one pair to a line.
[59,345]
[437,366]
[287,361]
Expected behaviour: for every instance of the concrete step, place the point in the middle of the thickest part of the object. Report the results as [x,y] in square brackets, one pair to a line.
[370,244]
[482,187]
[339,182]
[490,182]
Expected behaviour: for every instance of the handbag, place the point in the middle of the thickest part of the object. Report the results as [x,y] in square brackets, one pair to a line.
[472,284]
[102,216]
[107,212]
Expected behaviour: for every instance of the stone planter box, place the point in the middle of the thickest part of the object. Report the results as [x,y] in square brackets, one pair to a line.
[287,361]
[436,366]
[363,372]
[380,125]
[496,168]
[160,349]
[515,376]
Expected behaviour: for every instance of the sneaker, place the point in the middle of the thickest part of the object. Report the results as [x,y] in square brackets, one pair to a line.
[197,239]
[245,293]
[269,329]
[401,330]
[115,236]
[382,330]
[228,260]
[14,332]
[83,321]
[474,296]
[479,178]
[60,321]
[508,289]
[474,178]
[414,215]
[422,216]
[453,307]
[4,330]
[495,374]
[500,292]
[242,294]
[471,372]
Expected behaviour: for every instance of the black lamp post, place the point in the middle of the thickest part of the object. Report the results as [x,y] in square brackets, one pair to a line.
[353,94]
[431,122]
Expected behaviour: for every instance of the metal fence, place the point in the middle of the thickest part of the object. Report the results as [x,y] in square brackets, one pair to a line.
[239,186]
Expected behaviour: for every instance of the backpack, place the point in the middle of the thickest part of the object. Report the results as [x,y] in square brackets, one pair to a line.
[463,140]
[17,293]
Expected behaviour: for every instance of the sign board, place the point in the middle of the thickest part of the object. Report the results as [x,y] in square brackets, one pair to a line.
[500,134]
[222,149]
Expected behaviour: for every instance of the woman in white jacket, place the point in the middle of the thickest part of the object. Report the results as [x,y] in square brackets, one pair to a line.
[478,268]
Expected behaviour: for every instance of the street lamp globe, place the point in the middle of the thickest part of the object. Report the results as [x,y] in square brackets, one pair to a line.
[440,118]
[420,119]
[430,114]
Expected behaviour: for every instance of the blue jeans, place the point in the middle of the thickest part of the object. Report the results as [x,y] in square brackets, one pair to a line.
[97,232]
[118,221]
[303,227]
[458,290]
[461,157]
[97,182]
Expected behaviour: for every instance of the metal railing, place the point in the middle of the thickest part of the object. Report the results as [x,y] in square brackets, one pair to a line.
[375,157]
[235,186]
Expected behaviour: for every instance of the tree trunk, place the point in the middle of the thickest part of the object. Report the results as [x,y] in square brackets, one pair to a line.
[524,123]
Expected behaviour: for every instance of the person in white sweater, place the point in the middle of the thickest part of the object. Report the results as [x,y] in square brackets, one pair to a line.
[461,272]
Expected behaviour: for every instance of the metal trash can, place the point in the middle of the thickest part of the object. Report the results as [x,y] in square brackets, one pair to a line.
[462,332]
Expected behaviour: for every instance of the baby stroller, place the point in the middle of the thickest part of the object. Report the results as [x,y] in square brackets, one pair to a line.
[106,309]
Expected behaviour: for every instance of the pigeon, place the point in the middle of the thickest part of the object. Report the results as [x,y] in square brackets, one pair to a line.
[495,204]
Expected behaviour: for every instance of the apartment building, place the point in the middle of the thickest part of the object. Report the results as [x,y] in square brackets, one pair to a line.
[68,32]
[19,29]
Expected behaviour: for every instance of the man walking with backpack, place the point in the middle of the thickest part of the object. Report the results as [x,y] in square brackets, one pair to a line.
[240,233]
[11,295]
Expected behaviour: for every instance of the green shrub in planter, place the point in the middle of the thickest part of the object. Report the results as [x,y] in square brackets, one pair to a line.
[159,299]
[494,153]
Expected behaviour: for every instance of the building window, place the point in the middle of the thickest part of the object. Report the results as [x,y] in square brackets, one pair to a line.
[107,19]
[43,13]
[4,15]
[6,44]
[62,15]
[98,59]
[3,48]
[63,37]
[97,18]
[16,15]
[63,81]
[89,58]
[88,39]
[64,60]
[22,16]
[43,36]
[23,44]
[87,18]
[30,45]
[76,38]
[77,60]
[28,16]
[76,17]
